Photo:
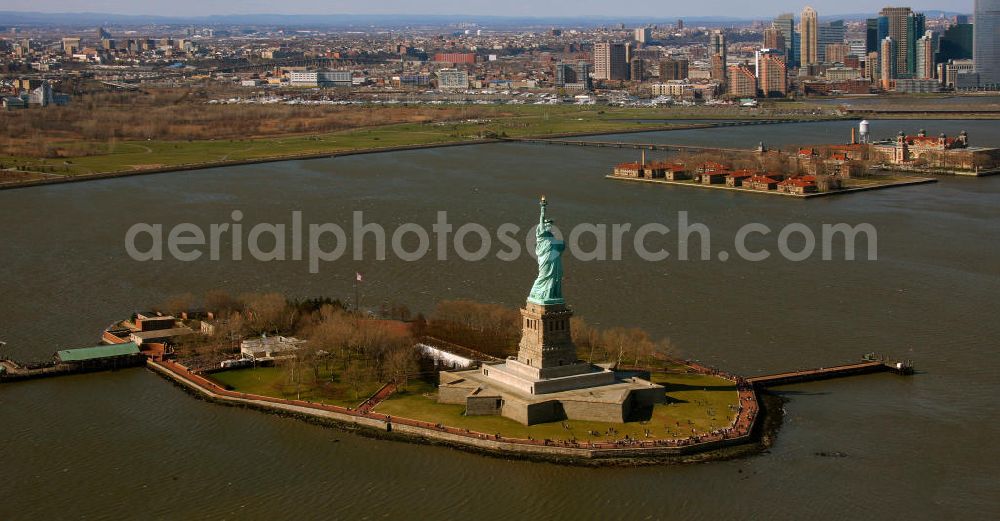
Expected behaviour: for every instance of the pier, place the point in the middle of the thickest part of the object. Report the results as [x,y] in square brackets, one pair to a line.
[867,366]
[75,361]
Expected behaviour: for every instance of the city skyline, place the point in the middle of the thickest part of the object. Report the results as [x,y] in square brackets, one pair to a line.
[557,8]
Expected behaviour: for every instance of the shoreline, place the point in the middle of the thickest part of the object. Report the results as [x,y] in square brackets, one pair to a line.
[61,179]
[233,162]
[374,424]
[753,428]
[55,179]
[897,184]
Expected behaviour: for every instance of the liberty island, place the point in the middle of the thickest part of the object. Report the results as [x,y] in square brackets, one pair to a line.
[544,403]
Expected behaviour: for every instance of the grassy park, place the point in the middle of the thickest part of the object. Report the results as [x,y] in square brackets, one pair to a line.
[696,404]
[278,382]
[67,153]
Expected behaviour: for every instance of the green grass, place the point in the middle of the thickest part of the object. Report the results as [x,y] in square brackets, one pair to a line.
[508,120]
[275,382]
[697,403]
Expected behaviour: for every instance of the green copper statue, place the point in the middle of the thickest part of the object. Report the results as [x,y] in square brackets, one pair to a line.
[548,286]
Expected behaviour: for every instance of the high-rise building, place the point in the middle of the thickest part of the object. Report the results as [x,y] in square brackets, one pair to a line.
[717,42]
[71,45]
[786,24]
[871,35]
[872,66]
[772,74]
[719,70]
[637,69]
[610,61]
[836,52]
[831,33]
[925,52]
[956,43]
[857,47]
[960,74]
[887,59]
[916,28]
[773,39]
[643,34]
[986,41]
[809,37]
[742,82]
[673,69]
[573,75]
[904,27]
[680,24]
[453,79]
[717,51]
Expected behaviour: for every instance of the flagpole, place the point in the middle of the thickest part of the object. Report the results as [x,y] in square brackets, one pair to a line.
[357,301]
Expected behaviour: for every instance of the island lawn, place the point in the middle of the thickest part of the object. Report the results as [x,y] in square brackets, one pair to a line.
[696,404]
[89,157]
[276,382]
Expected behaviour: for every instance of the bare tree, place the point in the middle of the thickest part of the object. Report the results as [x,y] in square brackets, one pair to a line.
[268,313]
[400,363]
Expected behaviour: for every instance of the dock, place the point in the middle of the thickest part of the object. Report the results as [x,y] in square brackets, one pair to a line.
[75,361]
[869,365]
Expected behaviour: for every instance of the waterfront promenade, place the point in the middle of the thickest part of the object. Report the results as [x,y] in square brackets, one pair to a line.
[743,430]
[740,432]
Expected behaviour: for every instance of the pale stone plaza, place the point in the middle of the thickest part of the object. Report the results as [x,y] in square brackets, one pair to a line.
[546,381]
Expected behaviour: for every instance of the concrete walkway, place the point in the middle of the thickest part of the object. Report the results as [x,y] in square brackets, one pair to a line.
[740,432]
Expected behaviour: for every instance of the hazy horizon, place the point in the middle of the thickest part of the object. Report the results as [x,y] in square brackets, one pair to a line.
[513,8]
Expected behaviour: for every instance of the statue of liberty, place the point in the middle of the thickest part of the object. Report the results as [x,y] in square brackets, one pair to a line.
[547,288]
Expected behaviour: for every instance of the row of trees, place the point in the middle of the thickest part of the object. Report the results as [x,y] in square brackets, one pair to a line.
[358,350]
[623,346]
[363,349]
[489,328]
[496,330]
[185,115]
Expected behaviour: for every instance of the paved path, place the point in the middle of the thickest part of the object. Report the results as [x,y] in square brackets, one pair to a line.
[739,432]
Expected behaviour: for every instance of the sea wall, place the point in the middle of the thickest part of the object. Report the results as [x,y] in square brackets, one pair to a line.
[413,430]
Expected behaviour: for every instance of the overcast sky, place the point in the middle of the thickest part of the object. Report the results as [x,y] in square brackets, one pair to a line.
[661,9]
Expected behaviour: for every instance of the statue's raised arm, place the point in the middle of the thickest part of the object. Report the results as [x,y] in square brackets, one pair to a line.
[541,217]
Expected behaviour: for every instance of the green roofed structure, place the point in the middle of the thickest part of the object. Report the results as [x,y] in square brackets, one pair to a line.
[113,355]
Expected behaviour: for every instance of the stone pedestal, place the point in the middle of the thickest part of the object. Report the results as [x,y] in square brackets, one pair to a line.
[546,342]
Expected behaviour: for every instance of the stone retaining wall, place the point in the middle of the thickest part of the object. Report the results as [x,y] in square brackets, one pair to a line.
[422,431]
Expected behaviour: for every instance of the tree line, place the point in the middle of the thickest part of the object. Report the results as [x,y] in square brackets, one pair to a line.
[98,122]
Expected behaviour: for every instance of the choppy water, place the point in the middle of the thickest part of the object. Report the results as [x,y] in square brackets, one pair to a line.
[131,444]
